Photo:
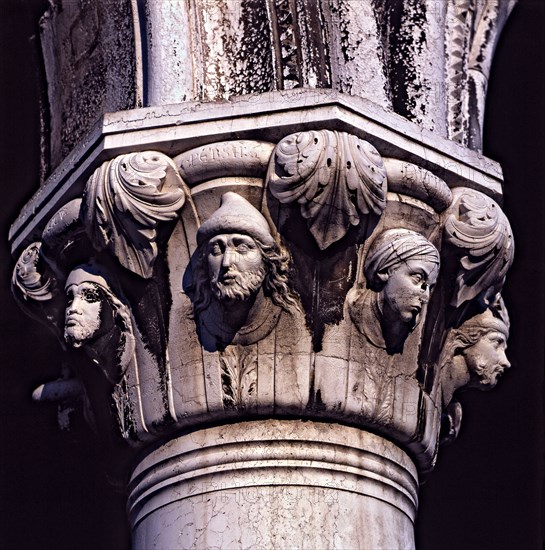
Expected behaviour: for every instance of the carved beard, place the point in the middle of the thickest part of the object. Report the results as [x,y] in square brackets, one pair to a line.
[486,374]
[81,332]
[242,287]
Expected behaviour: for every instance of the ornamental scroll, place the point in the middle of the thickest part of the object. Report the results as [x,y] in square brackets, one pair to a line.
[125,200]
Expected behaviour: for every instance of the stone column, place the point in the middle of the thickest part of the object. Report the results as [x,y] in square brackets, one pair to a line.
[271,274]
[275,484]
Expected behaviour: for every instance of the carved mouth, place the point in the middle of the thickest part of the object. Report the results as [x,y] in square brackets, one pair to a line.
[72,321]
[229,278]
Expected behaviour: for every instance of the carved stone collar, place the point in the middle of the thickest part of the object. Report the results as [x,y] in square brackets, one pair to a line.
[263,317]
[366,314]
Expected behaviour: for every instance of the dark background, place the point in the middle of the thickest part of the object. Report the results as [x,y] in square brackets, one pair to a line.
[487,489]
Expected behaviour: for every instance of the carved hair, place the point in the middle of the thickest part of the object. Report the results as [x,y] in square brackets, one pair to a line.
[462,338]
[122,315]
[275,284]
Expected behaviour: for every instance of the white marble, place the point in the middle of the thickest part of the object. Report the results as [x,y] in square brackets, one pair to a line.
[275,484]
[274,266]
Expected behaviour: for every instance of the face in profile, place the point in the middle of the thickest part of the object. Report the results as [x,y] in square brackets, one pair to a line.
[83,313]
[408,287]
[486,360]
[235,266]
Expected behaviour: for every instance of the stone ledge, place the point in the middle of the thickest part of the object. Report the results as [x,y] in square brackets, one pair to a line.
[173,129]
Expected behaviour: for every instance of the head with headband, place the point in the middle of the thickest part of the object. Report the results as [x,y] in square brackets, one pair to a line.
[402,266]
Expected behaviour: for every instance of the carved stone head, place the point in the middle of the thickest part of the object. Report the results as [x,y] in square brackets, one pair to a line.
[474,354]
[238,256]
[484,340]
[93,309]
[402,266]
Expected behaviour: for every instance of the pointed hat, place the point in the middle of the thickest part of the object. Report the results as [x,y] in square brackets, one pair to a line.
[235,215]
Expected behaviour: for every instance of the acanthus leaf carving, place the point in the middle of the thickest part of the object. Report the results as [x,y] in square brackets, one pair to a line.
[27,279]
[238,376]
[35,288]
[336,178]
[125,200]
[478,228]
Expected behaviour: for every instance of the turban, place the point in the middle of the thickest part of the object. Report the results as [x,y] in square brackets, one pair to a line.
[393,247]
[235,215]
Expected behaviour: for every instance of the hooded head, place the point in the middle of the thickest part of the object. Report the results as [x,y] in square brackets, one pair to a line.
[93,309]
[235,215]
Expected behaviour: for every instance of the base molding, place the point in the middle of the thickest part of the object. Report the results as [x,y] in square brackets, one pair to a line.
[274,483]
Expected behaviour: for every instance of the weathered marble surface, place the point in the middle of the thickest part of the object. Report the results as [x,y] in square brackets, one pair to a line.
[248,278]
[257,252]
[318,485]
[428,61]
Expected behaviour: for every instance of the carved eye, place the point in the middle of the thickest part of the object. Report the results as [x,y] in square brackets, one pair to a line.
[90,295]
[243,247]
[499,341]
[215,249]
[418,279]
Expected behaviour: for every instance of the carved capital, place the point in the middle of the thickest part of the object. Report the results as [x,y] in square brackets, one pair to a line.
[319,288]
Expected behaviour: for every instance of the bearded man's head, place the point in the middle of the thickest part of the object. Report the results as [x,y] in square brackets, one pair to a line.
[237,256]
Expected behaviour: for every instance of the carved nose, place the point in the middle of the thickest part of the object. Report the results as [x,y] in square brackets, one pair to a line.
[229,257]
[74,307]
[505,363]
[425,295]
